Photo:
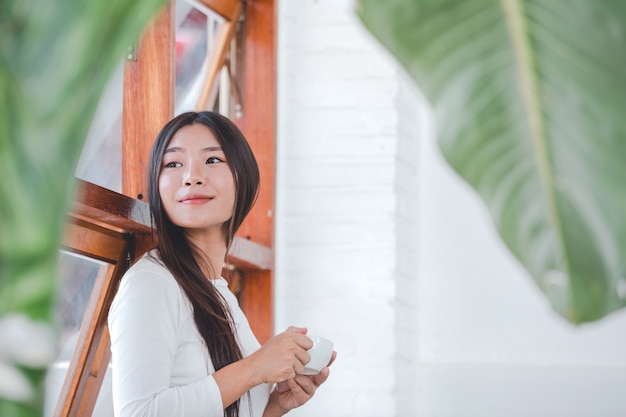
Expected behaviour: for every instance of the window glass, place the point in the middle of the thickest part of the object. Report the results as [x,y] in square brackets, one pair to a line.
[80,282]
[200,33]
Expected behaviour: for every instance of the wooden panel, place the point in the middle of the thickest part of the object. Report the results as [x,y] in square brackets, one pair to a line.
[255,298]
[259,126]
[149,85]
[98,205]
[259,118]
[228,9]
[85,241]
[96,365]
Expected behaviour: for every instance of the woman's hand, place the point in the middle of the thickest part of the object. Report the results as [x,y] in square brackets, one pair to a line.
[282,357]
[297,391]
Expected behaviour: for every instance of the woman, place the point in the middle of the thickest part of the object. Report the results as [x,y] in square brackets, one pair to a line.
[181,346]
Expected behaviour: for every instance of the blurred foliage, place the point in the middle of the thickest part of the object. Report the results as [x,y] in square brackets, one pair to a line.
[529,99]
[55,58]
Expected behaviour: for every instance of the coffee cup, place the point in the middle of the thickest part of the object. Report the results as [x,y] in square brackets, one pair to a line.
[320,353]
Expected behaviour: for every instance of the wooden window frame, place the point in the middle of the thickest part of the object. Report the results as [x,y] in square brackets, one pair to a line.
[116,228]
[149,104]
[110,227]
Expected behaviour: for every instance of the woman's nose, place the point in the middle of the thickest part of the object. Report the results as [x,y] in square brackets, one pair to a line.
[193,176]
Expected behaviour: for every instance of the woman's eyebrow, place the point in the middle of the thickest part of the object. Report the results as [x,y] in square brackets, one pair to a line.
[207,149]
[173,149]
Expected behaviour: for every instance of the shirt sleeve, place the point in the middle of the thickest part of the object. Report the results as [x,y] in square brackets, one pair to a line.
[143,323]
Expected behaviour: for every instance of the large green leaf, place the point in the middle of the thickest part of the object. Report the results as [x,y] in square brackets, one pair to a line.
[55,57]
[529,97]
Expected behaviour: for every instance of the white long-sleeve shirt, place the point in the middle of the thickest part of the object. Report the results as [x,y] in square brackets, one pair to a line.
[160,363]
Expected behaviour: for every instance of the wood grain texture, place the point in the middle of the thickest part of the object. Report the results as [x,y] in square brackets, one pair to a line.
[259,126]
[113,209]
[259,117]
[148,104]
[228,9]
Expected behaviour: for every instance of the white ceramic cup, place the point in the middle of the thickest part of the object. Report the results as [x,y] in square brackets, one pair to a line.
[320,353]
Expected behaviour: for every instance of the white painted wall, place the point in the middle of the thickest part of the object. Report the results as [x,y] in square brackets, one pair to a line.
[336,207]
[383,249]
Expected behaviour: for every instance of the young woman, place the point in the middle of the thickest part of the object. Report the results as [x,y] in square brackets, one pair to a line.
[181,346]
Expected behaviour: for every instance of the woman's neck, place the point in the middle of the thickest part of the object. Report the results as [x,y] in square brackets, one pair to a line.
[212,247]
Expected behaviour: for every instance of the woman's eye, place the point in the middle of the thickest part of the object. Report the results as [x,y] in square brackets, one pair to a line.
[213,160]
[173,165]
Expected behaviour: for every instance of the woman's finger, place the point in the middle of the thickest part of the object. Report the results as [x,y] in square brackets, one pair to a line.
[332,358]
[306,384]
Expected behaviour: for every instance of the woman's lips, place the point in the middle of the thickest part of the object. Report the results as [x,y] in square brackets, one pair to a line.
[196,199]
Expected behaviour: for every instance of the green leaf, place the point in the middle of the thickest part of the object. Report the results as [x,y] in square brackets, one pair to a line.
[55,58]
[529,97]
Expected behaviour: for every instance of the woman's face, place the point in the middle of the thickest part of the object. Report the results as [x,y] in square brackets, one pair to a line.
[196,184]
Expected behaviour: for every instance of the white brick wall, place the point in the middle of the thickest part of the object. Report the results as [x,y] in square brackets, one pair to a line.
[382,248]
[336,241]
[413,121]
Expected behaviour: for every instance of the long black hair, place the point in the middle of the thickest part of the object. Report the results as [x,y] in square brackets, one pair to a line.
[182,258]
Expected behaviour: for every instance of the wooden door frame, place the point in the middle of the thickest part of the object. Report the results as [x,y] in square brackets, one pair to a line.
[149,104]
